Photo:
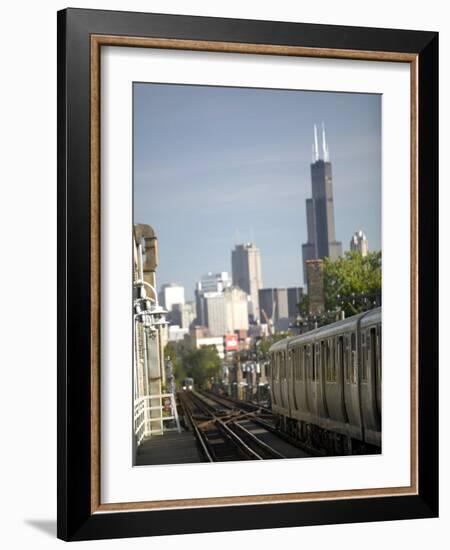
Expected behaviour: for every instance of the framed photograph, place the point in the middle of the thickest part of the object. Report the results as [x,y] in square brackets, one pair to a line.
[247,252]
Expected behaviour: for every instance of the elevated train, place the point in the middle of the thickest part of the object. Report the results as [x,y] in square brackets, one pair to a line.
[326,385]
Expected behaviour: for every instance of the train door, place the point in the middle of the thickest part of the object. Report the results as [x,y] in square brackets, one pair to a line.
[313,356]
[351,390]
[284,378]
[378,370]
[293,360]
[323,360]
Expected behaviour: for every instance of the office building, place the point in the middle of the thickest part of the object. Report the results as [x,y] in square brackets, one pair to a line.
[246,272]
[170,295]
[359,243]
[320,209]
[210,282]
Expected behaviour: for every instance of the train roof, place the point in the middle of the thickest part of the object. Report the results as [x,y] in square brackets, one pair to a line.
[327,330]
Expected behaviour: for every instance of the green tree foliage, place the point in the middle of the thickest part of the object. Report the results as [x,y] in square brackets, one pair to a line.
[202,365]
[265,344]
[351,275]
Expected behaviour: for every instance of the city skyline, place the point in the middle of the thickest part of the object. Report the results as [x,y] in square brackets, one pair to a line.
[216,167]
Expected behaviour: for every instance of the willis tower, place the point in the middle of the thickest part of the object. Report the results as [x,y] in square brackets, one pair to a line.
[320,209]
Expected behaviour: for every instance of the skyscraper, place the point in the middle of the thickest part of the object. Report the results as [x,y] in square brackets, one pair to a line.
[210,282]
[246,272]
[171,294]
[359,243]
[320,209]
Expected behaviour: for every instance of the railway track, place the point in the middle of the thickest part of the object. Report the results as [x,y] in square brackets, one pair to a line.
[229,432]
[265,419]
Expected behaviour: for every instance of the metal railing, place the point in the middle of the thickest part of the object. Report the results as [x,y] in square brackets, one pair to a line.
[146,424]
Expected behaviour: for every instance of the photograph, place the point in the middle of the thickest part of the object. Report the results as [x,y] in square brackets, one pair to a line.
[256,274]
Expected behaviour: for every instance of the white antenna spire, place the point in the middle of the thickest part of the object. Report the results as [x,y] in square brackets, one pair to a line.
[326,156]
[316,145]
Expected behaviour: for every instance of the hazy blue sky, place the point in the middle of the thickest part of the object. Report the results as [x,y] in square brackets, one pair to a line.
[217,165]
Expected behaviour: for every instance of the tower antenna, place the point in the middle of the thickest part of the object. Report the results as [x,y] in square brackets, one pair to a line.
[316,145]
[326,156]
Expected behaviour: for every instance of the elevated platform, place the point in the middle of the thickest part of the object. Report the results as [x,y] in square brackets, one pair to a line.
[170,448]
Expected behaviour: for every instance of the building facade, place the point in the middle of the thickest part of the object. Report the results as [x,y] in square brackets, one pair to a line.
[210,282]
[280,306]
[274,303]
[359,243]
[320,209]
[236,310]
[247,275]
[215,313]
[171,294]
[226,311]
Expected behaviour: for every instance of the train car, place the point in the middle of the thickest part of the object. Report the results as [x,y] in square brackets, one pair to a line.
[326,385]
[188,384]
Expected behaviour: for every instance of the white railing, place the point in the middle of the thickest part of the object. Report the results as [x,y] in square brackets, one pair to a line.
[146,423]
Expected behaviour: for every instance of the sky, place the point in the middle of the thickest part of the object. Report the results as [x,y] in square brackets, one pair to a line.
[216,166]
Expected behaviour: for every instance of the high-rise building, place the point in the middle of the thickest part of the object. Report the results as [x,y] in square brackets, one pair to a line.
[214,305]
[359,243]
[170,295]
[227,311]
[246,271]
[273,303]
[295,295]
[210,282]
[183,314]
[236,309]
[320,209]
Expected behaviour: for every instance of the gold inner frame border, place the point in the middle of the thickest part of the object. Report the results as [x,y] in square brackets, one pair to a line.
[97,41]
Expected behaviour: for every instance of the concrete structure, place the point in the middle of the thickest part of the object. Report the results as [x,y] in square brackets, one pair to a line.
[150,335]
[236,310]
[227,311]
[246,271]
[359,243]
[316,293]
[210,282]
[183,314]
[280,305]
[171,294]
[320,209]
[295,296]
[215,313]
[274,302]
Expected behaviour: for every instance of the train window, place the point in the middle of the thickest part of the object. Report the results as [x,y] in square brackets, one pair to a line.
[301,355]
[330,362]
[340,356]
[379,355]
[315,361]
[373,348]
[308,362]
[297,369]
[328,365]
[365,342]
[345,363]
[354,357]
[283,366]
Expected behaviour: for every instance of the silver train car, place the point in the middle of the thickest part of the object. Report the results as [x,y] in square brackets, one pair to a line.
[326,385]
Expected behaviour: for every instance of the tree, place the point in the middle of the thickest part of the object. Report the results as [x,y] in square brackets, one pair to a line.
[350,277]
[267,342]
[202,364]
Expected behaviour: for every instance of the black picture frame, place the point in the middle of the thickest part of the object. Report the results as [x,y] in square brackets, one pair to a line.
[76,518]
